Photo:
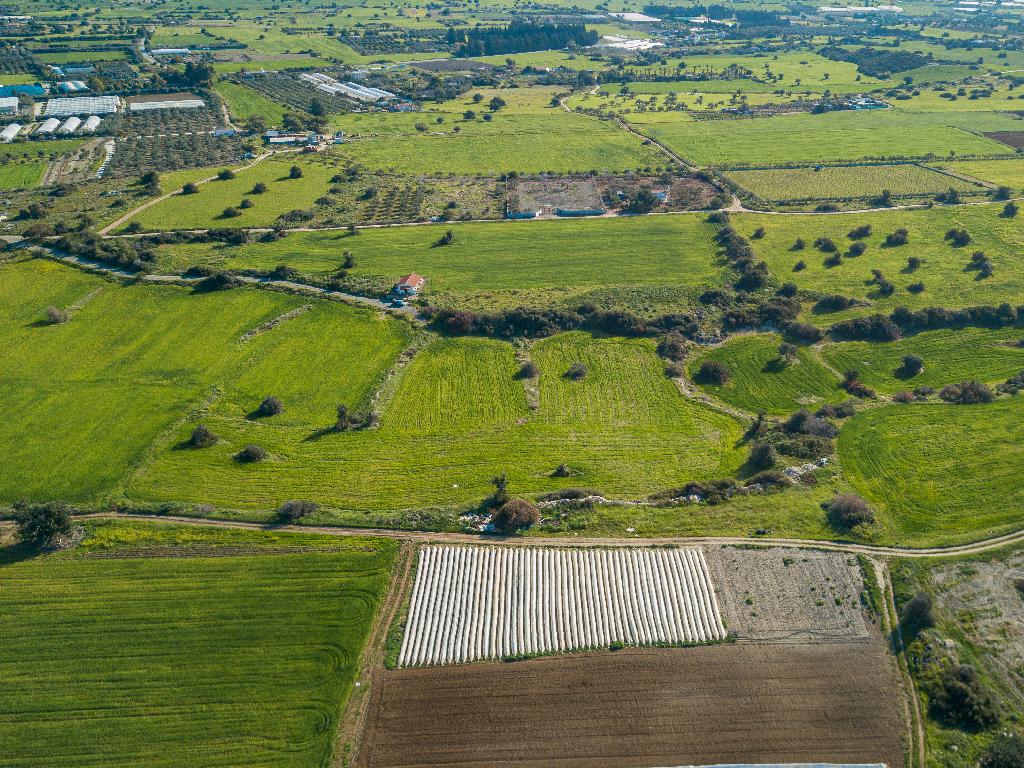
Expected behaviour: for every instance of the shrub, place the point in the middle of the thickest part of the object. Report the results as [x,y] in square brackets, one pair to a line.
[291,511]
[912,365]
[833,260]
[757,233]
[270,406]
[218,281]
[918,613]
[904,397]
[252,454]
[897,238]
[673,347]
[562,470]
[56,315]
[231,213]
[446,239]
[190,189]
[960,698]
[500,495]
[913,263]
[834,303]
[226,174]
[529,370]
[295,172]
[1005,751]
[576,371]
[967,393]
[713,372]
[763,456]
[917,287]
[788,290]
[800,266]
[202,437]
[959,237]
[798,244]
[804,332]
[246,203]
[259,188]
[515,515]
[37,525]
[1009,210]
[826,245]
[856,249]
[848,510]
[1013,385]
[1002,193]
[859,233]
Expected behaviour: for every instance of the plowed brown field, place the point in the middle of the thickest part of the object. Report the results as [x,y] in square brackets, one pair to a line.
[818,702]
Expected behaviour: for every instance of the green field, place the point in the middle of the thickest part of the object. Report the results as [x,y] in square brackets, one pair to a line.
[829,138]
[21,175]
[863,181]
[652,264]
[169,646]
[1008,173]
[132,362]
[244,103]
[949,356]
[951,471]
[946,281]
[459,416]
[759,382]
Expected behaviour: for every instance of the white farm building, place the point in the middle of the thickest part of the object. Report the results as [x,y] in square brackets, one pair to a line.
[91,124]
[70,125]
[8,133]
[9,105]
[47,126]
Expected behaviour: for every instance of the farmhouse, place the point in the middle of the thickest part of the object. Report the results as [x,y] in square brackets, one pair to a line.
[409,285]
[8,105]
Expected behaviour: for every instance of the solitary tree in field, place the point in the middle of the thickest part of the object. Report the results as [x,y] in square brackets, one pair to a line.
[291,511]
[295,172]
[788,353]
[37,525]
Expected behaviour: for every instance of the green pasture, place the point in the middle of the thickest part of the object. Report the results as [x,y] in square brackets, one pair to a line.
[862,181]
[759,380]
[236,649]
[937,471]
[828,138]
[946,281]
[21,175]
[949,356]
[94,393]
[458,416]
[507,263]
[1008,173]
[244,103]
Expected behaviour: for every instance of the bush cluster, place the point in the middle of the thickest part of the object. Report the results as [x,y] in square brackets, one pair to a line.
[848,510]
[967,393]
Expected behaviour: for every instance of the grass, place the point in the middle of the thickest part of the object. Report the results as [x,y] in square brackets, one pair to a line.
[244,103]
[863,181]
[949,355]
[458,417]
[832,137]
[759,382]
[943,273]
[21,175]
[94,393]
[938,472]
[1008,173]
[505,263]
[247,657]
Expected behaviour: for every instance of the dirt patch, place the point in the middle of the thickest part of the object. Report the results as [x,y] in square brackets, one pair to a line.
[987,601]
[1013,139]
[778,703]
[788,594]
[548,195]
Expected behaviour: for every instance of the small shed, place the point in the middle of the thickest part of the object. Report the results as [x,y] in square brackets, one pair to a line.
[409,285]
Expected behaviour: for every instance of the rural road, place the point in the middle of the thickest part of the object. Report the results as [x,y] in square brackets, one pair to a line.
[428,537]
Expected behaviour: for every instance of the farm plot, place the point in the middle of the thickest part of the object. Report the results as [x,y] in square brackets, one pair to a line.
[549,195]
[1009,173]
[472,603]
[640,707]
[794,595]
[848,182]
[134,156]
[156,122]
[171,647]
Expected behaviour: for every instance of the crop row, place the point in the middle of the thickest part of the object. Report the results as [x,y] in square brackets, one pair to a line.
[473,603]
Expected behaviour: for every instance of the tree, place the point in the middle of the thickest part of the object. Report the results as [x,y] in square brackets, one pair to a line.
[446,239]
[1009,210]
[316,108]
[270,406]
[56,315]
[225,174]
[848,510]
[788,353]
[1005,751]
[529,370]
[496,103]
[259,188]
[959,697]
[500,495]
[713,372]
[190,189]
[202,437]
[468,115]
[763,456]
[576,371]
[252,454]
[515,515]
[918,613]
[643,200]
[912,365]
[291,511]
[673,347]
[37,525]
[295,172]
[477,98]
[1002,193]
[231,213]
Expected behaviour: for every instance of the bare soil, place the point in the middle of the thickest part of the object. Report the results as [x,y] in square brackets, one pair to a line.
[788,593]
[1013,139]
[730,703]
